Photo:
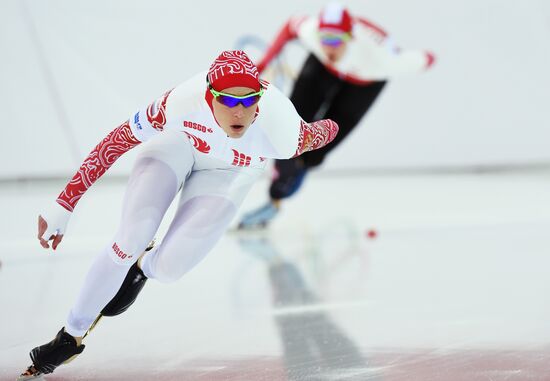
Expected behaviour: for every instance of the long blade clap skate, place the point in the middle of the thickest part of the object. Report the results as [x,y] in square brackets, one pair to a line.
[63,348]
[259,218]
[30,374]
[45,358]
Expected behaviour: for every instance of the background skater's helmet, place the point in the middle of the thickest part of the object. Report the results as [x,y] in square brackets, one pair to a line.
[334,18]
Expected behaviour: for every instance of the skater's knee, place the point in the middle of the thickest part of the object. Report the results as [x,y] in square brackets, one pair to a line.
[166,264]
[124,254]
[286,186]
[169,270]
[133,237]
[196,228]
[168,275]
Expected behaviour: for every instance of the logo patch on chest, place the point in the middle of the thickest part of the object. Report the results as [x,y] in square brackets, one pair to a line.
[199,144]
[240,159]
[197,126]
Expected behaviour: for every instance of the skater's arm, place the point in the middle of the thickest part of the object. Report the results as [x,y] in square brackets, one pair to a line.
[408,61]
[315,135]
[146,123]
[374,28]
[288,133]
[52,222]
[383,58]
[287,33]
[102,157]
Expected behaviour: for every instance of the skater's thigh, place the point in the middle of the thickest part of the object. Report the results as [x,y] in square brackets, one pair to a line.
[229,183]
[173,149]
[209,201]
[157,174]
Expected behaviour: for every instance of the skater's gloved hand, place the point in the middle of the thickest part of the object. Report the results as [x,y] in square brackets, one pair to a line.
[430,59]
[52,224]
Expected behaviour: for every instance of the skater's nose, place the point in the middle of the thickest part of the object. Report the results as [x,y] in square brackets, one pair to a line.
[238,111]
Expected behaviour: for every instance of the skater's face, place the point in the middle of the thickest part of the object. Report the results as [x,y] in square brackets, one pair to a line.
[235,120]
[334,45]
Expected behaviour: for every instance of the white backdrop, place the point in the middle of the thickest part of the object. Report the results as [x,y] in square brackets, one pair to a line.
[73,70]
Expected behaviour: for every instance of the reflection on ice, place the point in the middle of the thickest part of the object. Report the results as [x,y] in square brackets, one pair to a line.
[313,345]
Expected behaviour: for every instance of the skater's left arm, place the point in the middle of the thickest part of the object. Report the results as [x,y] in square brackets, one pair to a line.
[289,134]
[385,57]
[398,61]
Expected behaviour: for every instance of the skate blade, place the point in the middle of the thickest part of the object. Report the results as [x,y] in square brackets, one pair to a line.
[249,233]
[255,228]
[258,226]
[39,376]
[97,319]
[70,359]
[30,375]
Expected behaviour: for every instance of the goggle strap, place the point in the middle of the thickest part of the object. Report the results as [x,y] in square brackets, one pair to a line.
[218,93]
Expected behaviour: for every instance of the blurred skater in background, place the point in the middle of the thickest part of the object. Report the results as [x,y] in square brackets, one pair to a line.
[350,60]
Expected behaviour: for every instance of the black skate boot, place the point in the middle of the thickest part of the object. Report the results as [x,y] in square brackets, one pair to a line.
[126,295]
[45,358]
[128,291]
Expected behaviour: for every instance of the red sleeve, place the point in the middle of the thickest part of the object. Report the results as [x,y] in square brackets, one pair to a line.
[381,32]
[430,59]
[119,141]
[315,135]
[288,32]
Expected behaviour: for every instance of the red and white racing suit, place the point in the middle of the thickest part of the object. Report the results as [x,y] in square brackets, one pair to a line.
[185,148]
[370,55]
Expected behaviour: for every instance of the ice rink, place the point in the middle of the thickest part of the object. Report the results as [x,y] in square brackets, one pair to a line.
[453,287]
[420,251]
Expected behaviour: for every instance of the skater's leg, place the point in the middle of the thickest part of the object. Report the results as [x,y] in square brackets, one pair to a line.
[154,182]
[312,88]
[314,92]
[162,166]
[347,108]
[288,178]
[209,201]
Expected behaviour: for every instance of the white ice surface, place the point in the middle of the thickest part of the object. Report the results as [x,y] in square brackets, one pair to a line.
[454,287]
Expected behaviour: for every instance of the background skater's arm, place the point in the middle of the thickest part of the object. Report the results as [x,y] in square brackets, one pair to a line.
[408,61]
[385,59]
[288,32]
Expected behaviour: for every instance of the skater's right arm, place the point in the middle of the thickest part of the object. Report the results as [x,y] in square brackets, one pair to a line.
[52,222]
[288,32]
